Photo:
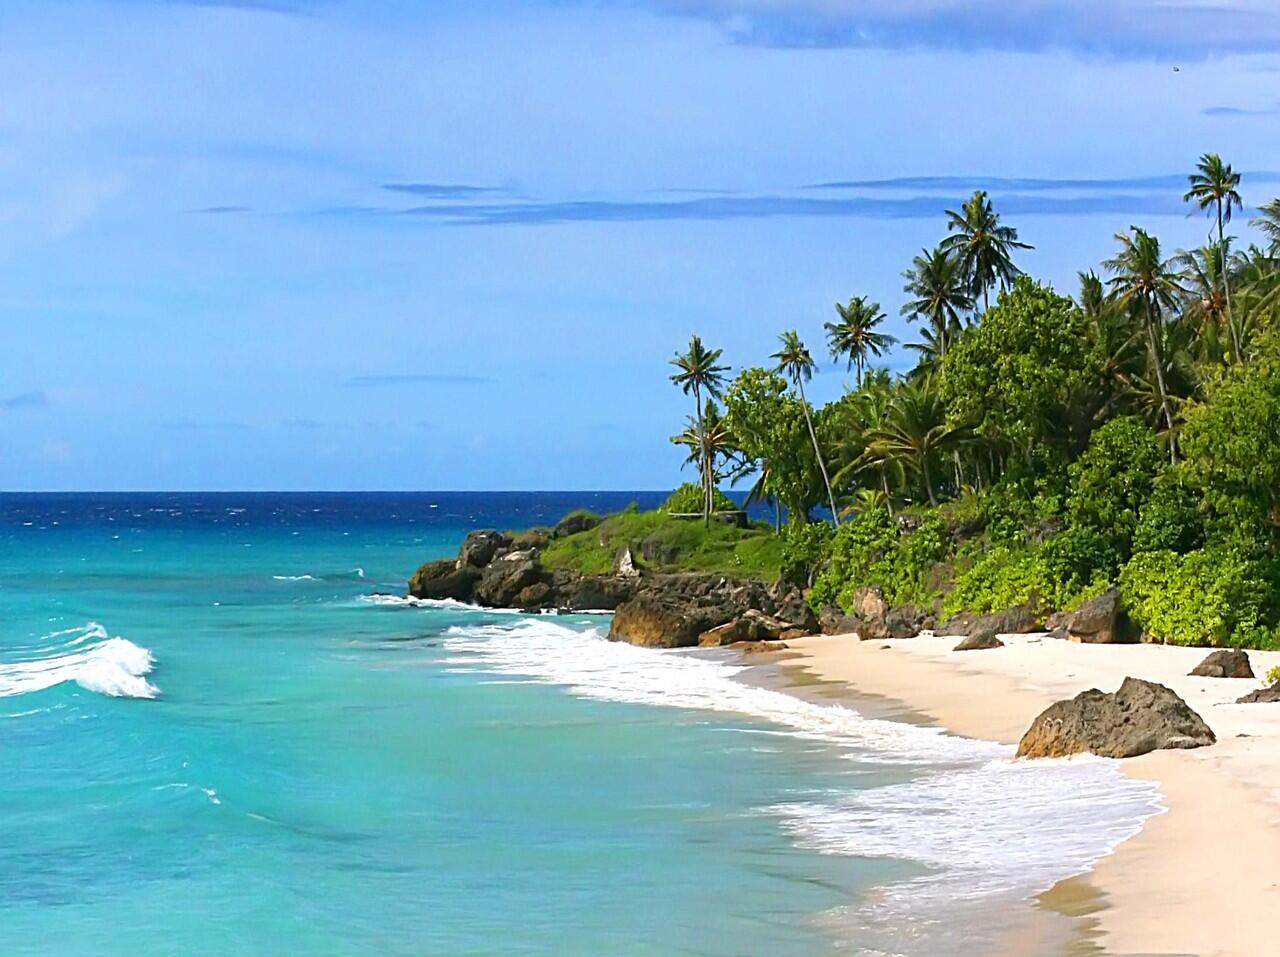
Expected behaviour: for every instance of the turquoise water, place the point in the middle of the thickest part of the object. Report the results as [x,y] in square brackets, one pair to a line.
[216,739]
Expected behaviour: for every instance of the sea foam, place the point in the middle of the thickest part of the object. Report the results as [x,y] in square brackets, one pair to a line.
[978,823]
[87,655]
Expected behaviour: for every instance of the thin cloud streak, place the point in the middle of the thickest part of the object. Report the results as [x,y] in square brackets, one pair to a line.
[26,400]
[445,190]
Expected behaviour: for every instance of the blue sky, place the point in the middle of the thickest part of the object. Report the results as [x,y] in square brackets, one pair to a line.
[327,245]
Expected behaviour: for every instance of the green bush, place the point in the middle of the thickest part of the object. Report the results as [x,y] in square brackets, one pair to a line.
[805,548]
[869,551]
[1028,495]
[1171,519]
[1273,675]
[1212,596]
[1113,479]
[1057,575]
[687,500]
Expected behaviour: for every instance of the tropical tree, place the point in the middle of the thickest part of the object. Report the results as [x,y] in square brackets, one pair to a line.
[710,443]
[699,372]
[1143,280]
[1269,224]
[937,283]
[1213,187]
[983,247]
[795,362]
[854,336]
[914,432]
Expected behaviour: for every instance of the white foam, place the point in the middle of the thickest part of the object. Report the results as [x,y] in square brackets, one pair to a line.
[448,604]
[89,657]
[295,578]
[979,823]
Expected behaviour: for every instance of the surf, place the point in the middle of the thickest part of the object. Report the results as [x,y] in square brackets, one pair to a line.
[87,656]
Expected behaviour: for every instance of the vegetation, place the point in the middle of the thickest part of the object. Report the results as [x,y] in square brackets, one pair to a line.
[1042,448]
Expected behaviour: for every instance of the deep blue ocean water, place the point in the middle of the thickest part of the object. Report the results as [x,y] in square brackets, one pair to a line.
[217,738]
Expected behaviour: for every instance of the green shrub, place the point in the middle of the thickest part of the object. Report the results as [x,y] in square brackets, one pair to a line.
[1212,596]
[1028,495]
[687,500]
[1170,520]
[1057,575]
[869,551]
[1113,479]
[1273,675]
[805,548]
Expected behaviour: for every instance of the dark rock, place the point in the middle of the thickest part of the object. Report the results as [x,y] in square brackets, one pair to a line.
[833,621]
[656,622]
[1101,620]
[1262,695]
[537,595]
[480,546]
[1224,663]
[959,624]
[1019,620]
[751,625]
[504,578]
[906,621]
[659,551]
[576,592]
[1056,624]
[980,641]
[538,538]
[574,523]
[444,579]
[760,647]
[790,604]
[791,634]
[1141,716]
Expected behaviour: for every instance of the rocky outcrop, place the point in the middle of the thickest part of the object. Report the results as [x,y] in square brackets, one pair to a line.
[1019,620]
[573,523]
[1266,695]
[669,611]
[1141,716]
[1224,663]
[980,641]
[1101,620]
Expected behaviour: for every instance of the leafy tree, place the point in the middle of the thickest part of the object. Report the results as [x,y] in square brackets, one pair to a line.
[1213,186]
[914,432]
[699,372]
[795,362]
[854,336]
[771,431]
[711,445]
[939,287]
[1022,375]
[1268,222]
[1142,278]
[983,247]
[1113,480]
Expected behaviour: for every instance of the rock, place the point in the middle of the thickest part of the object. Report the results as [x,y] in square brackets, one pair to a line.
[869,604]
[1224,663]
[503,579]
[959,624]
[573,523]
[657,622]
[625,564]
[537,595]
[751,625]
[535,538]
[576,592]
[1101,621]
[1019,620]
[791,634]
[1262,695]
[480,546]
[980,641]
[791,605]
[1141,716]
[1056,624]
[906,621]
[833,621]
[759,647]
[444,579]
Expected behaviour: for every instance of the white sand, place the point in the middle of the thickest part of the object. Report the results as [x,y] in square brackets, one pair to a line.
[1202,879]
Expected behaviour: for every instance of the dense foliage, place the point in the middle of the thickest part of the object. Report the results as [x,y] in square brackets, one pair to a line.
[1044,447]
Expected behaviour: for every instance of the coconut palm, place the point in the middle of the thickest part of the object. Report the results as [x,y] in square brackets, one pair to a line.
[854,336]
[1142,280]
[709,442]
[983,246]
[795,362]
[914,432]
[1213,186]
[700,372]
[1205,304]
[938,284]
[1269,224]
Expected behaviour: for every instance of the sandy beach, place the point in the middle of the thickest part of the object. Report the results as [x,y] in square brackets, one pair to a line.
[1203,878]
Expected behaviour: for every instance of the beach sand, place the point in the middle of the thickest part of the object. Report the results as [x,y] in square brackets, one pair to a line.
[1203,878]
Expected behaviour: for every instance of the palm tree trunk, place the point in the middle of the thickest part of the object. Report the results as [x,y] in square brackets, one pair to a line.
[884,484]
[1236,349]
[777,515]
[1159,367]
[928,479]
[702,457]
[817,451]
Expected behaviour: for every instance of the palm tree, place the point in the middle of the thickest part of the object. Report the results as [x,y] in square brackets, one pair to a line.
[854,336]
[983,246]
[1202,274]
[914,431]
[1214,185]
[1269,223]
[796,364]
[1143,280]
[937,281]
[698,373]
[708,442]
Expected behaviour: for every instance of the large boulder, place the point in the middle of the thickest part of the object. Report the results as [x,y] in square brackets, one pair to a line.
[573,523]
[444,579]
[1262,695]
[833,621]
[907,621]
[1141,716]
[869,604]
[504,579]
[1101,620]
[480,546]
[1018,620]
[980,641]
[751,625]
[656,622]
[592,592]
[1224,663]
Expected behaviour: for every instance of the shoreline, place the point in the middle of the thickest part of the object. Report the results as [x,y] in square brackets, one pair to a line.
[1201,878]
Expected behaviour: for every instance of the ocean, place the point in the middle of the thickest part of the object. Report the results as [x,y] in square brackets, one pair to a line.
[223,732]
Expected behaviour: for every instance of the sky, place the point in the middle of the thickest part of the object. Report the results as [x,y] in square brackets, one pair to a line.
[320,244]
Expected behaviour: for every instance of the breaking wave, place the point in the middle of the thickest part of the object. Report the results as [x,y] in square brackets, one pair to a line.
[86,655]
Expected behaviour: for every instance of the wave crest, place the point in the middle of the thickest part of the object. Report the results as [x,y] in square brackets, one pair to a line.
[88,656]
